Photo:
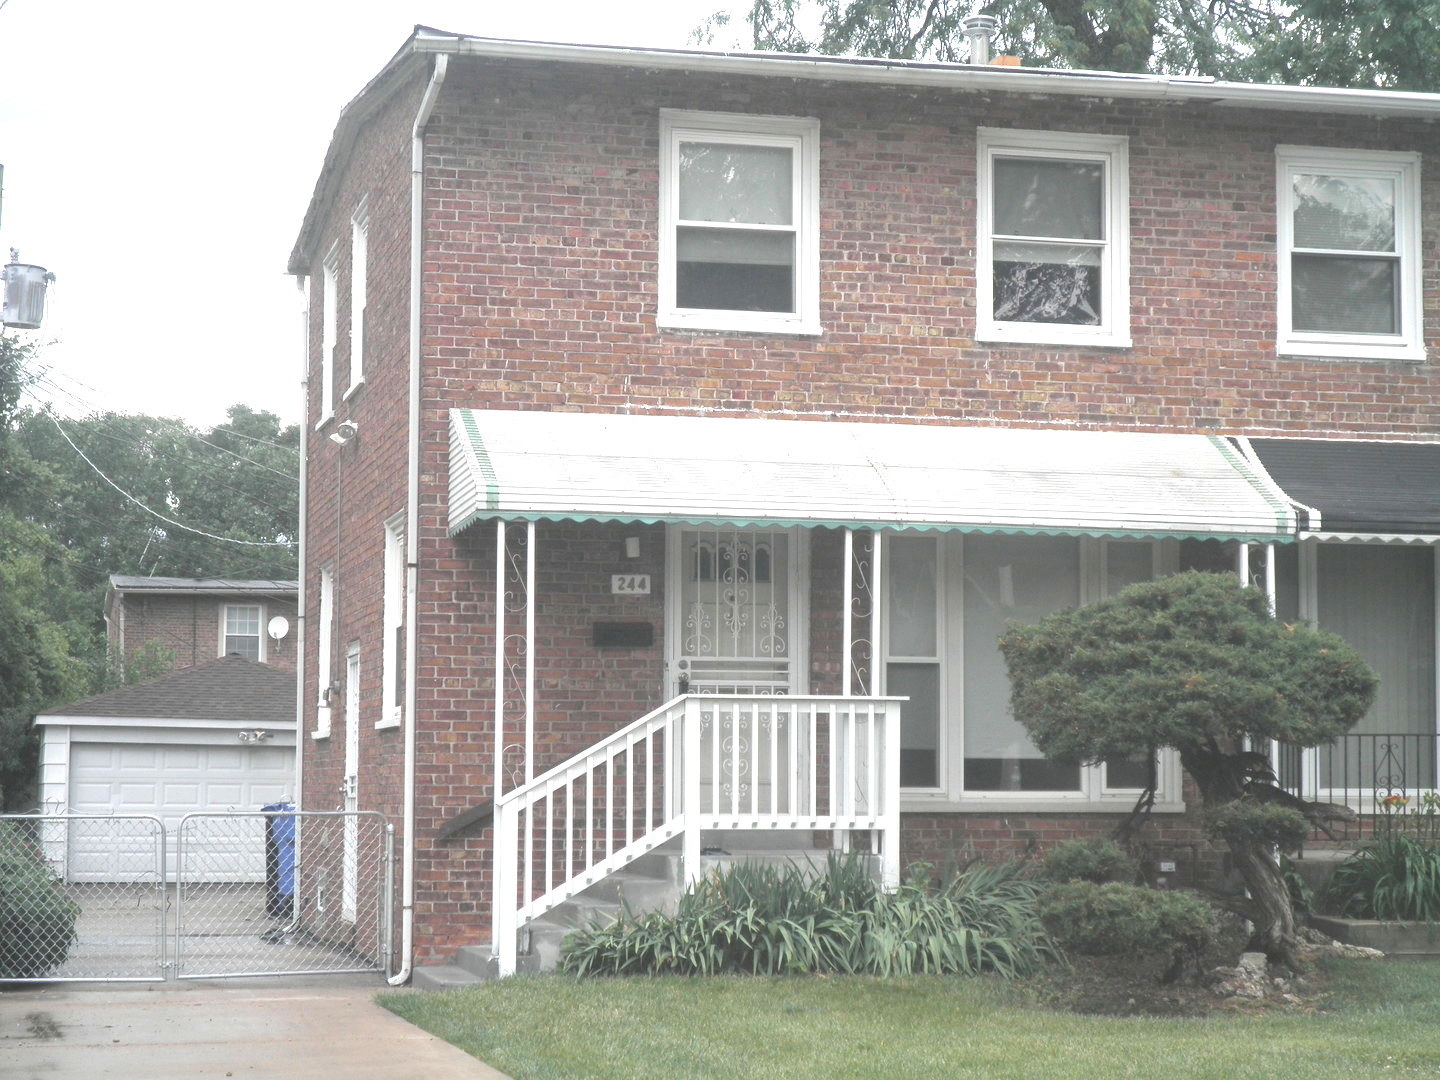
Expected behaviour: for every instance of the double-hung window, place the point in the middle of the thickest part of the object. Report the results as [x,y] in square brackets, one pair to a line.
[392,708]
[1349,265]
[359,269]
[739,222]
[329,329]
[240,631]
[1052,251]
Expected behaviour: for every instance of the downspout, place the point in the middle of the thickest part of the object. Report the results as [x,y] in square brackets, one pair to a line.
[412,509]
[303,283]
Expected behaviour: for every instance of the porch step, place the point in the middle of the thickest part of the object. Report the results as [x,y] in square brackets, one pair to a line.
[653,882]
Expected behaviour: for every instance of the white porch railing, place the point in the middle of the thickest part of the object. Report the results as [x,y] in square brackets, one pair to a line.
[701,762]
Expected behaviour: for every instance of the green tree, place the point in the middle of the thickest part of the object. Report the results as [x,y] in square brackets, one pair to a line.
[37,667]
[1194,663]
[1387,44]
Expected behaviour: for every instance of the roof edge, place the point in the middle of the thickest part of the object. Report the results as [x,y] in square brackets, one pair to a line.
[427,41]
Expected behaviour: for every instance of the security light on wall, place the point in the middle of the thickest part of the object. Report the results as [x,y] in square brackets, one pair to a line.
[345,433]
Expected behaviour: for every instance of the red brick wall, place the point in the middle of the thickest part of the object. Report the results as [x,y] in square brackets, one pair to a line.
[540,290]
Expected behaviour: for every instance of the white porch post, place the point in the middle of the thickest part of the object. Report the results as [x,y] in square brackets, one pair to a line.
[499,659]
[890,831]
[1242,563]
[847,654]
[690,797]
[529,651]
[503,935]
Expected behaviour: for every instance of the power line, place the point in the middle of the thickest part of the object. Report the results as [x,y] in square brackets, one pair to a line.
[153,513]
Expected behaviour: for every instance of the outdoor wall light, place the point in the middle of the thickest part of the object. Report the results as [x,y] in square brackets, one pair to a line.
[345,433]
[253,735]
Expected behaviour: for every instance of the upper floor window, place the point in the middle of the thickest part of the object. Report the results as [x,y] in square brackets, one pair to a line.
[1349,238]
[1052,251]
[329,329]
[359,266]
[242,630]
[739,244]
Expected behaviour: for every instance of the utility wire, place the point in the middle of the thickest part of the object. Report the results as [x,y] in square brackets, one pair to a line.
[153,513]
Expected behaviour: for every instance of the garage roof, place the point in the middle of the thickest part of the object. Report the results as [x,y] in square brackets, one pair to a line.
[228,690]
[703,470]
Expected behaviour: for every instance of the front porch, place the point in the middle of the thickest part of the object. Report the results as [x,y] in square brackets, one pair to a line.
[820,605]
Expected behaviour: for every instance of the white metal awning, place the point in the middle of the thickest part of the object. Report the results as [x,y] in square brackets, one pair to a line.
[703,470]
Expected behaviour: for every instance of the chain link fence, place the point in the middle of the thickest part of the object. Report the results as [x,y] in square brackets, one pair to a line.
[114,898]
[82,898]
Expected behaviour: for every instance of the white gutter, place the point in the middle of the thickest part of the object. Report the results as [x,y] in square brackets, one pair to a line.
[953,76]
[303,284]
[412,508]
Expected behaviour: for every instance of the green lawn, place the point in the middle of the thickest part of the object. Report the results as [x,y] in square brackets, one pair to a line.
[1379,1019]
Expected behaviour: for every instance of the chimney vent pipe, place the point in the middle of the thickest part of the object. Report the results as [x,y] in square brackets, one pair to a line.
[980,29]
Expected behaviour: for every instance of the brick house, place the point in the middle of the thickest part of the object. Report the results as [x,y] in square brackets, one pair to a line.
[189,621]
[687,411]
[213,730]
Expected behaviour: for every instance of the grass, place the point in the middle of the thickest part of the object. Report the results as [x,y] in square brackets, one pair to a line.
[1380,1018]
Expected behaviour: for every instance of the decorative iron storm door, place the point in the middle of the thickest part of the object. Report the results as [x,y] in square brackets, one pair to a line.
[736,626]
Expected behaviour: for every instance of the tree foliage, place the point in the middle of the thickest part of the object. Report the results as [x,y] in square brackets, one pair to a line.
[1194,663]
[1387,44]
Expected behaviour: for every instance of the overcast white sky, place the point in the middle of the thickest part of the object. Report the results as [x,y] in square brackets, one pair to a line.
[159,155]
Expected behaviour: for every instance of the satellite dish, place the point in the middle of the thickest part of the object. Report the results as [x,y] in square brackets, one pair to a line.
[278,627]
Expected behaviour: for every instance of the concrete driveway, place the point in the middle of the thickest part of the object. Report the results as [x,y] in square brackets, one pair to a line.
[318,1030]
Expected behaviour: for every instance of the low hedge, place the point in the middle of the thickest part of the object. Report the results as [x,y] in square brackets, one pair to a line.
[1115,919]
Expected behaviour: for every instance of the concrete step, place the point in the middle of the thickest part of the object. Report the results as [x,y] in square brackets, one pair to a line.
[443,977]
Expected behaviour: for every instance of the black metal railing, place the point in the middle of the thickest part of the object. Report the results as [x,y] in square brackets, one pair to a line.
[1375,775]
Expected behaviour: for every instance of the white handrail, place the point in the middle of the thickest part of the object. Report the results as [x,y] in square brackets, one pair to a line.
[699,762]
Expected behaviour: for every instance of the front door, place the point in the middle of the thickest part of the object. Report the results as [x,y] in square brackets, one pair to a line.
[736,625]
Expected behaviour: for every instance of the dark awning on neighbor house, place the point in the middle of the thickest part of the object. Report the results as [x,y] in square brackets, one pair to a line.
[1381,489]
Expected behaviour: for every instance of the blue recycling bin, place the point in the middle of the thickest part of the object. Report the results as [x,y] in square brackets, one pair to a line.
[279,860]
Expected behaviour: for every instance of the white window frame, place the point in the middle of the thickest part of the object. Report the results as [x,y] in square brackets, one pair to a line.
[392,713]
[359,274]
[1093,795]
[225,610]
[1401,167]
[802,136]
[1112,151]
[324,659]
[329,329]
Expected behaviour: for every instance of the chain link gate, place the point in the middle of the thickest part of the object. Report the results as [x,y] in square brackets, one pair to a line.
[283,894]
[112,898]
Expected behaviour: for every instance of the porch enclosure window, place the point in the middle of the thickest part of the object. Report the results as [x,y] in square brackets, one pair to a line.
[242,630]
[1020,579]
[1382,600]
[1349,252]
[1052,251]
[948,601]
[736,611]
[739,248]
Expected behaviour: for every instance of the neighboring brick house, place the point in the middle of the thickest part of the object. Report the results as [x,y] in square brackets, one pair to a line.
[852,360]
[189,621]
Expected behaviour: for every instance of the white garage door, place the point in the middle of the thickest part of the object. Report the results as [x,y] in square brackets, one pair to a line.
[169,782]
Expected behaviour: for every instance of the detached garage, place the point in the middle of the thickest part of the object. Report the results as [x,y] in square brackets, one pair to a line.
[201,740]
